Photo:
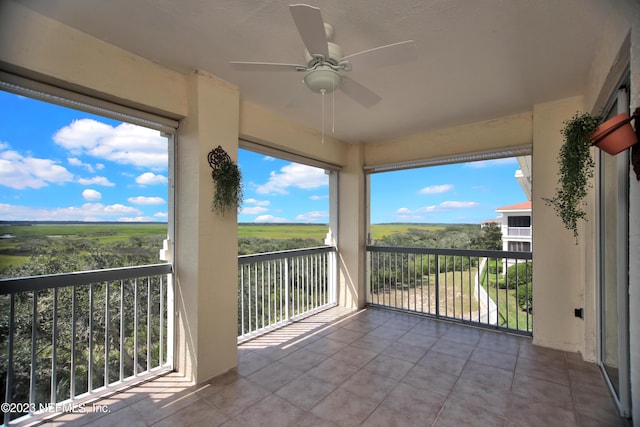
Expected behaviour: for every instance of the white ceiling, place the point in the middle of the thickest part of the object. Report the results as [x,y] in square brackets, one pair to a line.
[477,59]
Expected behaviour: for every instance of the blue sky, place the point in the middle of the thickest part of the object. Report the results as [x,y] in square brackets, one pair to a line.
[65,165]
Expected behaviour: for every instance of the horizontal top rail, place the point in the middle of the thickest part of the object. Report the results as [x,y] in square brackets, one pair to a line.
[38,283]
[458,252]
[251,258]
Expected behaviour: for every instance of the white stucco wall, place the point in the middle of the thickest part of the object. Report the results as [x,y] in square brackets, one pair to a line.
[505,132]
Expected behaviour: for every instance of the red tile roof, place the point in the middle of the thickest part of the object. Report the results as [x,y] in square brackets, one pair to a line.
[517,207]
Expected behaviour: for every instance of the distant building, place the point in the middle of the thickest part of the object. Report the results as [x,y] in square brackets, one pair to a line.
[516,227]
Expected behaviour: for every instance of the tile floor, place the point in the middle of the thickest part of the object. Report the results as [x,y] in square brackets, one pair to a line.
[374,368]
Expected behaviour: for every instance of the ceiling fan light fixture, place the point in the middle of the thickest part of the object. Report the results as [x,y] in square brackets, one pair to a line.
[322,79]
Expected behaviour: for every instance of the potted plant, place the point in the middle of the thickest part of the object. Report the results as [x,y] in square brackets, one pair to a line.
[576,164]
[227,180]
[576,169]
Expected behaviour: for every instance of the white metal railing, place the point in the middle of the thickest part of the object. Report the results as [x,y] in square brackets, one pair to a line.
[519,231]
[485,288]
[275,288]
[64,337]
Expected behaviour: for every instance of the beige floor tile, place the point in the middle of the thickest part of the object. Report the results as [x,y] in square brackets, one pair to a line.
[333,371]
[453,348]
[431,379]
[196,414]
[274,376]
[355,355]
[305,391]
[390,367]
[523,412]
[344,408]
[406,351]
[232,398]
[535,389]
[445,363]
[420,406]
[369,385]
[487,396]
[489,375]
[494,358]
[270,411]
[461,413]
[303,359]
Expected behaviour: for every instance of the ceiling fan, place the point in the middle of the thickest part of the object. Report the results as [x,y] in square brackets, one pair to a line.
[325,63]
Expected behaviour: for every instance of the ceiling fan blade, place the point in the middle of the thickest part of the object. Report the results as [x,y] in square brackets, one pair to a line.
[266,66]
[361,94]
[384,55]
[310,25]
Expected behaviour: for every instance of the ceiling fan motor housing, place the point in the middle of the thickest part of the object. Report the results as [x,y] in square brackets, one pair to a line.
[335,54]
[322,79]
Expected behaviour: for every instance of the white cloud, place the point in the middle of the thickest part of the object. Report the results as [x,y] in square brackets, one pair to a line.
[270,218]
[144,200]
[458,205]
[161,215]
[137,219]
[92,195]
[150,178]
[312,216]
[86,212]
[293,175]
[436,189]
[256,202]
[253,210]
[19,172]
[447,205]
[316,197]
[96,180]
[74,161]
[125,143]
[268,158]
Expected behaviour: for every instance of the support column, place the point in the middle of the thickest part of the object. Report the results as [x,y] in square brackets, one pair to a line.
[206,242]
[351,234]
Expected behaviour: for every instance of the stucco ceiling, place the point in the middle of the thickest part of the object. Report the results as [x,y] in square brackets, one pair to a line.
[477,59]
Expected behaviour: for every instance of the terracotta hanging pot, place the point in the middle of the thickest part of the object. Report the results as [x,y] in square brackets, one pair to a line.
[615,135]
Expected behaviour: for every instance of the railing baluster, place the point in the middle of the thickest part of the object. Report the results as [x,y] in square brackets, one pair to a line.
[107,322]
[148,323]
[34,332]
[9,382]
[135,327]
[122,324]
[54,347]
[74,302]
[90,367]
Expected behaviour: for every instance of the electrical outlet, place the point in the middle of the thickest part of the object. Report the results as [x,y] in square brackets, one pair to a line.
[578,312]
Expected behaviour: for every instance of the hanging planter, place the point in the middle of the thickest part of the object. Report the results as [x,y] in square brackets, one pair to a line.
[576,164]
[227,179]
[615,135]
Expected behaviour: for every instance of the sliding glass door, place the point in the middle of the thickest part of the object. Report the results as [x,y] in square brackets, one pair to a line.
[613,190]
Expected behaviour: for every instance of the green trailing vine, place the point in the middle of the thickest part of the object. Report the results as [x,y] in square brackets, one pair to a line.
[227,179]
[576,170]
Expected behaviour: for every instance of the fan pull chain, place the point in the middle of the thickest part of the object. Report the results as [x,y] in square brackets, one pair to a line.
[322,92]
[333,109]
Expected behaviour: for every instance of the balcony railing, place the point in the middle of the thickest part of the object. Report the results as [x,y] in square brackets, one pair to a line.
[275,288]
[485,288]
[519,231]
[64,337]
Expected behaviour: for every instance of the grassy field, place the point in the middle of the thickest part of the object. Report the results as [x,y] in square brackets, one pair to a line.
[16,239]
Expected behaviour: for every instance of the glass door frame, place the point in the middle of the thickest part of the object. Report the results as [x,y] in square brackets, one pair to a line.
[621,395]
